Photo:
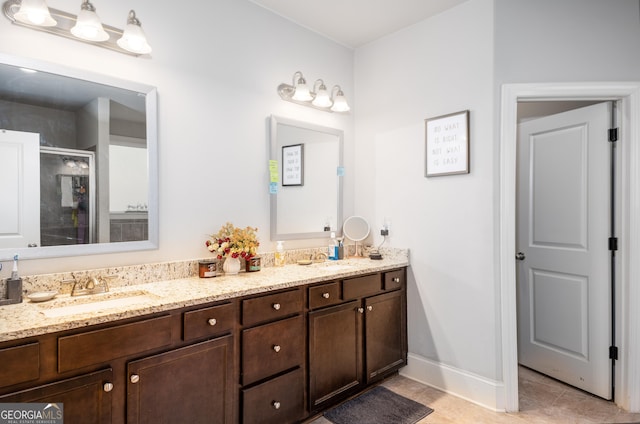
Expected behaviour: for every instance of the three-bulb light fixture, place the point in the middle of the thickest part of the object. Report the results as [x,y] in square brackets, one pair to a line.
[317,97]
[85,27]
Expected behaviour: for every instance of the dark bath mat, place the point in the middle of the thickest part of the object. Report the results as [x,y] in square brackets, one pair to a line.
[378,406]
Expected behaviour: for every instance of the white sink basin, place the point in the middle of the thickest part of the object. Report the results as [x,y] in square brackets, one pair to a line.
[90,304]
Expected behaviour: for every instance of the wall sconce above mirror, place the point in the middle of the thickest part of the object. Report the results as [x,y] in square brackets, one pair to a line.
[321,99]
[85,27]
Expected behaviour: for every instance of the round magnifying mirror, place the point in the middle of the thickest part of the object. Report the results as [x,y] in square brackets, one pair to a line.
[356,228]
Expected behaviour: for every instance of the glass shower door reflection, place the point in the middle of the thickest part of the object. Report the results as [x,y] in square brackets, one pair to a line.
[67,198]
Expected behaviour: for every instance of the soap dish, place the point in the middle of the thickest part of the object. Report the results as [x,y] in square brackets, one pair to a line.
[42,296]
[304,262]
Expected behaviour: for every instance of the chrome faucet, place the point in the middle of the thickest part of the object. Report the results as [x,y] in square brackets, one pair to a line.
[93,285]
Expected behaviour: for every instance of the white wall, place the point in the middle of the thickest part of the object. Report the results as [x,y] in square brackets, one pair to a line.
[454,61]
[216,73]
[440,66]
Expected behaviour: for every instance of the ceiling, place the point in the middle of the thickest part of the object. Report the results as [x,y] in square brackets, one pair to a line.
[356,22]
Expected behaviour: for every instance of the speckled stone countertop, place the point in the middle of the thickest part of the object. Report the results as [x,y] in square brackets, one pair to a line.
[29,318]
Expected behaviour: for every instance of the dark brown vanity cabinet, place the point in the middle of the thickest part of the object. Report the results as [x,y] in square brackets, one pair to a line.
[357,341]
[192,384]
[85,399]
[273,358]
[177,366]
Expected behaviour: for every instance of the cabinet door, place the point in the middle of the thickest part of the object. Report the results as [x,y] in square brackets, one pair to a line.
[335,356]
[85,399]
[385,334]
[187,385]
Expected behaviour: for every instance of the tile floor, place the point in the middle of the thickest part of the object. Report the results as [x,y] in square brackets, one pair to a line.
[542,401]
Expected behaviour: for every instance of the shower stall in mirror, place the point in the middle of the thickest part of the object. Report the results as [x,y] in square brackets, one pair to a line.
[67,197]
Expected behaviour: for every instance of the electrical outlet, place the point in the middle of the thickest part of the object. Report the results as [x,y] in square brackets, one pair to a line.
[384,232]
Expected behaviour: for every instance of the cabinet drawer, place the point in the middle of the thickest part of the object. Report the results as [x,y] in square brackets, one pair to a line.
[95,347]
[19,364]
[208,321]
[270,307]
[277,401]
[272,348]
[353,288]
[393,279]
[324,295]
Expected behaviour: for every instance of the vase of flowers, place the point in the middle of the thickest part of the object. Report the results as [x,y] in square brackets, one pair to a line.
[232,243]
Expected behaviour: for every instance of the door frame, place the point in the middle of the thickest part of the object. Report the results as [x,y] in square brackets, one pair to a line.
[627,371]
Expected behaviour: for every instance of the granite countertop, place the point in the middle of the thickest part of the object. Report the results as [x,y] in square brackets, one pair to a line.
[29,319]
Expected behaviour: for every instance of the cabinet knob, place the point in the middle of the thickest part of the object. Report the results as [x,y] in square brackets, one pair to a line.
[107,387]
[212,321]
[396,279]
[326,295]
[361,310]
[275,404]
[369,308]
[276,348]
[134,378]
[276,306]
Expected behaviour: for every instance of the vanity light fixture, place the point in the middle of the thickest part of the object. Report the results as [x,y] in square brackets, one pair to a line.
[339,101]
[301,91]
[85,27]
[88,26]
[34,12]
[133,39]
[322,99]
[319,98]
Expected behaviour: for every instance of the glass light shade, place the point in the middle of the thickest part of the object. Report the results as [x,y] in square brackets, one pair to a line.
[88,26]
[302,93]
[322,98]
[340,103]
[35,12]
[133,38]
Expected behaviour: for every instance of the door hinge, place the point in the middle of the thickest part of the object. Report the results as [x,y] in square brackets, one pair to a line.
[613,134]
[613,352]
[613,243]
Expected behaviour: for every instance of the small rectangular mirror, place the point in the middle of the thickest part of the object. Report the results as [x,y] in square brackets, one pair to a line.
[309,159]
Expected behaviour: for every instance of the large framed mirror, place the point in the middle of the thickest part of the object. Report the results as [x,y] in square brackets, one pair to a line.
[78,162]
[306,196]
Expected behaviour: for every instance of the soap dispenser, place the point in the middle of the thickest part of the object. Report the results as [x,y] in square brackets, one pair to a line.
[332,254]
[14,285]
[279,259]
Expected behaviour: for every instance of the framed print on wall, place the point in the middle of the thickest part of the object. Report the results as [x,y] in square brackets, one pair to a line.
[447,144]
[293,165]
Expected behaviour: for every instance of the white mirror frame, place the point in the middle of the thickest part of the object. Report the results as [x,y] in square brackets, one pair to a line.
[275,234]
[151,101]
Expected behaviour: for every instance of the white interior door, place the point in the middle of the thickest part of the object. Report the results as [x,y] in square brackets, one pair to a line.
[564,319]
[20,189]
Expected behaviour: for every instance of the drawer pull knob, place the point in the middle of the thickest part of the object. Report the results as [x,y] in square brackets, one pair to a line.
[369,308]
[212,321]
[276,404]
[134,378]
[361,310]
[396,279]
[276,306]
[276,348]
[107,387]
[326,295]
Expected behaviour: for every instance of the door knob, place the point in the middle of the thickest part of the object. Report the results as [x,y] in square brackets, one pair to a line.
[520,256]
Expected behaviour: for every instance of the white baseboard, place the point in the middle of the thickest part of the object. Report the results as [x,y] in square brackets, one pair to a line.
[471,387]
